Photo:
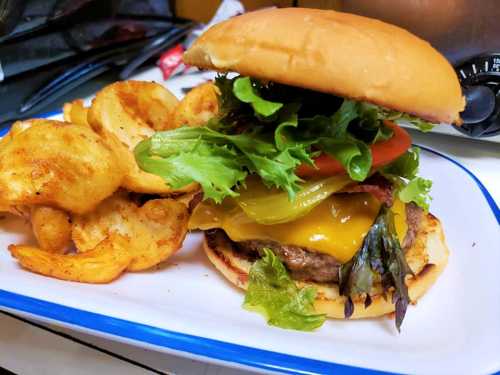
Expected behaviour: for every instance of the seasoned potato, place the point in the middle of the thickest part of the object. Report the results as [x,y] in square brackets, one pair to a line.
[76,112]
[6,206]
[57,164]
[153,231]
[198,106]
[52,228]
[100,265]
[23,211]
[124,114]
[15,129]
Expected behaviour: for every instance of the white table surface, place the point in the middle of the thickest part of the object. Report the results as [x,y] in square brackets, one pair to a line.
[33,348]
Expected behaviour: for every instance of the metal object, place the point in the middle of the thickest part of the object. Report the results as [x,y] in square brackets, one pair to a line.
[480,80]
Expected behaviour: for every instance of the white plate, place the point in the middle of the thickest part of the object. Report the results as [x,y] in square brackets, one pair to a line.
[187,308]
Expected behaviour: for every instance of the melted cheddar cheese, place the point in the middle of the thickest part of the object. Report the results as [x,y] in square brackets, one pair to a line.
[337,226]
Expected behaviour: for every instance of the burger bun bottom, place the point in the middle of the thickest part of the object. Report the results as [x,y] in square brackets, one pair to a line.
[427,258]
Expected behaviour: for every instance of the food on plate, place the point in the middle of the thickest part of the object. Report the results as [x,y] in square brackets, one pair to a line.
[151,232]
[51,227]
[65,177]
[123,233]
[15,129]
[125,113]
[108,260]
[76,112]
[57,164]
[197,107]
[311,196]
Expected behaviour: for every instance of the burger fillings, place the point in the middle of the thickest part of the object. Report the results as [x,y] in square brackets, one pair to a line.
[285,167]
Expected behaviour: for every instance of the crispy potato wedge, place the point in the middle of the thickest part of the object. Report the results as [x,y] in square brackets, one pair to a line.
[153,231]
[198,106]
[57,164]
[101,265]
[15,129]
[124,114]
[22,211]
[5,206]
[76,112]
[52,228]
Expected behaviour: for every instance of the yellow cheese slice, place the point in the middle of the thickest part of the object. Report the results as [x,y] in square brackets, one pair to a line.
[337,226]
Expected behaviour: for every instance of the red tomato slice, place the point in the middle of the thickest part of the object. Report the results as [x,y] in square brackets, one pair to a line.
[382,153]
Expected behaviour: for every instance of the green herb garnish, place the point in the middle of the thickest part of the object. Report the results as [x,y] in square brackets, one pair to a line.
[379,258]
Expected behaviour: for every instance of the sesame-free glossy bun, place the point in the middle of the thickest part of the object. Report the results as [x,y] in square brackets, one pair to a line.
[338,53]
[427,258]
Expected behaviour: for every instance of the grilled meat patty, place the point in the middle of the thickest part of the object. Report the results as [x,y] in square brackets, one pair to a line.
[302,263]
[306,264]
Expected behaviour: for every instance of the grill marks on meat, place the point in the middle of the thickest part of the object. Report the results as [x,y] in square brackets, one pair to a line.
[308,265]
[302,263]
[377,185]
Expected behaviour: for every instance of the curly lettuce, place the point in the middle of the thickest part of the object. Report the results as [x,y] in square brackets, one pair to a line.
[269,130]
[219,162]
[409,186]
[272,293]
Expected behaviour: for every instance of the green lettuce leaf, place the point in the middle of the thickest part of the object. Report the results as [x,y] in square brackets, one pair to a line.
[272,293]
[422,125]
[355,156]
[245,91]
[219,162]
[347,112]
[269,130]
[406,165]
[401,118]
[417,191]
[403,172]
[332,136]
[217,168]
[228,103]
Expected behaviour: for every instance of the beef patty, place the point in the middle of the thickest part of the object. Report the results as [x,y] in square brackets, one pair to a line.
[306,264]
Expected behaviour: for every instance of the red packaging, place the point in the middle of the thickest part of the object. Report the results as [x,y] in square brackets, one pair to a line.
[170,60]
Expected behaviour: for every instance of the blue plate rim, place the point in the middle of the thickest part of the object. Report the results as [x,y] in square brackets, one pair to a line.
[197,345]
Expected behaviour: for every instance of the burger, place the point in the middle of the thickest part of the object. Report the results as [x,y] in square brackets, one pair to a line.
[311,198]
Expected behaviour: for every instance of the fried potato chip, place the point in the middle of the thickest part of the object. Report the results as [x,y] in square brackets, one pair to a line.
[124,114]
[198,106]
[101,265]
[57,164]
[153,231]
[76,112]
[52,228]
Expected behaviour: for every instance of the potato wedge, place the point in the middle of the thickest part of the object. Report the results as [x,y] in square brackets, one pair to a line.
[52,228]
[101,265]
[58,164]
[76,112]
[124,114]
[5,206]
[153,231]
[22,211]
[198,106]
[15,129]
